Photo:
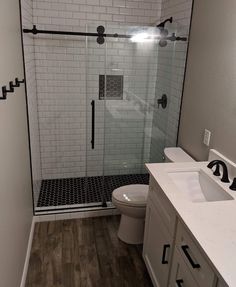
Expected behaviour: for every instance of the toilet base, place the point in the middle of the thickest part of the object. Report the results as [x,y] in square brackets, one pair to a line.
[131,229]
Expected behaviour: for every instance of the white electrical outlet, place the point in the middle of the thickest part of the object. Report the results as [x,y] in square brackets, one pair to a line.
[207,137]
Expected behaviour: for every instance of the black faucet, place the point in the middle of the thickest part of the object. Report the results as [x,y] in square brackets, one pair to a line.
[225,177]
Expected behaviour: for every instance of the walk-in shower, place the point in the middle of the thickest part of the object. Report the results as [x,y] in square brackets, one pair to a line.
[99,110]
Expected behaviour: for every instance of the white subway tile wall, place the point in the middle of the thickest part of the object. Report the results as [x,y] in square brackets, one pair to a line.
[67,69]
[170,76]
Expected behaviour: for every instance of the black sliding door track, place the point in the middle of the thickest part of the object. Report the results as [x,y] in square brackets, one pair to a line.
[36,31]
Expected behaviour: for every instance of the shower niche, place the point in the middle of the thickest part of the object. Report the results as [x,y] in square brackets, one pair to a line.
[111,87]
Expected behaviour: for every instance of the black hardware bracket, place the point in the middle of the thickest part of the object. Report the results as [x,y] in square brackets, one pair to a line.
[11,89]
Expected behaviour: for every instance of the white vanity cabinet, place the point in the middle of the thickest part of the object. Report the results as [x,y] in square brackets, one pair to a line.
[158,241]
[171,254]
[158,246]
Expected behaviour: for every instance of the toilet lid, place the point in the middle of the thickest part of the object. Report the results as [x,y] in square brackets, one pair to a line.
[134,194]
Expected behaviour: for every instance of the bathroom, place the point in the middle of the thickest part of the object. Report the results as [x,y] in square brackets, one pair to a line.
[117,143]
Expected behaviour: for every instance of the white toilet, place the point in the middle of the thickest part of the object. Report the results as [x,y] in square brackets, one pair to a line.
[131,201]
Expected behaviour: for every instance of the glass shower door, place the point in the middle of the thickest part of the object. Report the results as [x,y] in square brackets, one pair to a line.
[130,107]
[95,72]
[126,128]
[169,81]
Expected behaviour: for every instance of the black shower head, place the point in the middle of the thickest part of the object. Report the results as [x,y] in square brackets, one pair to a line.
[162,24]
[163,31]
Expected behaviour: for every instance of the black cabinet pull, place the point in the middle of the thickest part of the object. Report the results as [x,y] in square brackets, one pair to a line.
[193,264]
[163,260]
[93,124]
[179,282]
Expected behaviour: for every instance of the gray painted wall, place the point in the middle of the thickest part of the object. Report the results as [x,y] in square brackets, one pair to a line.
[210,88]
[15,185]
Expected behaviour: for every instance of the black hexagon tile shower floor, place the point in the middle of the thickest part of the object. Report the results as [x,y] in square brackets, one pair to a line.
[82,190]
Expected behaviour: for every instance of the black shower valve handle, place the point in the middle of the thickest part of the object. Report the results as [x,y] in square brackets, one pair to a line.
[162,101]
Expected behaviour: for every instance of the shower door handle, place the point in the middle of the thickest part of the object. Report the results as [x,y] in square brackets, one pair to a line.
[93,124]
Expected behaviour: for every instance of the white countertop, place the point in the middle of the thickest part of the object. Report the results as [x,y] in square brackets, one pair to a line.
[213,224]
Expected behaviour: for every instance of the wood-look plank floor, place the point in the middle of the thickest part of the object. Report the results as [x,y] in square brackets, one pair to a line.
[84,253]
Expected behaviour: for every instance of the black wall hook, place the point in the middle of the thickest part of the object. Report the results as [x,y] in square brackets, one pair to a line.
[5,91]
[17,83]
[12,85]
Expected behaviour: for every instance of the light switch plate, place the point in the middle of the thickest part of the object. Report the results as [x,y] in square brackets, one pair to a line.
[207,137]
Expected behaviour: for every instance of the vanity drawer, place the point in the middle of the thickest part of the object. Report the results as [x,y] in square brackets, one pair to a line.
[159,199]
[180,274]
[194,257]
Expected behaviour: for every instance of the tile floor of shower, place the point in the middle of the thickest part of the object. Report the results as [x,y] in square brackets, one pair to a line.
[84,191]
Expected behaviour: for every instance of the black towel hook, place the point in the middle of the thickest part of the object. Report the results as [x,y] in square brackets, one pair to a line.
[12,85]
[5,91]
[17,83]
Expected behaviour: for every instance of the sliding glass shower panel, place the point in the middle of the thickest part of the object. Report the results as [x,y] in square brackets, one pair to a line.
[169,81]
[61,91]
[131,68]
[95,71]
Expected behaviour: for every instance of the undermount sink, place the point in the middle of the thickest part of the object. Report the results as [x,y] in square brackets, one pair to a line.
[198,186]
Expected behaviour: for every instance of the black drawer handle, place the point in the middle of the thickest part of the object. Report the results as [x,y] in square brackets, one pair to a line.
[193,264]
[163,260]
[179,282]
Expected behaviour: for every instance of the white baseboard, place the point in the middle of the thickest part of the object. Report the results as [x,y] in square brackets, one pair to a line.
[27,257]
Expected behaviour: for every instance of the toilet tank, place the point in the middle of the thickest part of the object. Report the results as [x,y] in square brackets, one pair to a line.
[176,154]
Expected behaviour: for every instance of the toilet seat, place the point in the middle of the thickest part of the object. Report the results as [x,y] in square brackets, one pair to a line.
[132,195]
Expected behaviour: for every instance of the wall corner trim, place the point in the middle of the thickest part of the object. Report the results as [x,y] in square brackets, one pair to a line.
[27,257]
